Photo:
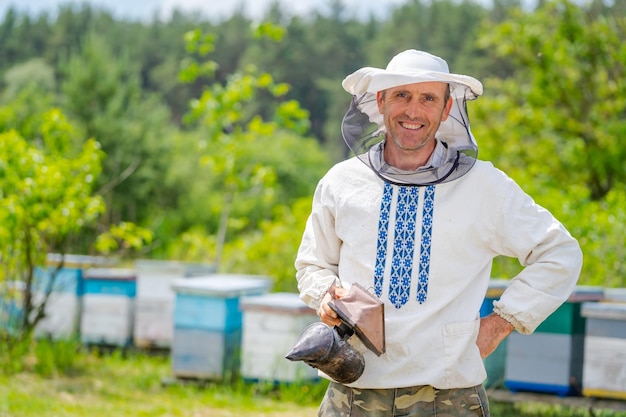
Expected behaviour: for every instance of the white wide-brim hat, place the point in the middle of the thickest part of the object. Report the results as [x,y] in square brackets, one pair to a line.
[410,67]
[363,127]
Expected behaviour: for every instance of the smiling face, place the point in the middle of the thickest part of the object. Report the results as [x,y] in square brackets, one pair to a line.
[412,114]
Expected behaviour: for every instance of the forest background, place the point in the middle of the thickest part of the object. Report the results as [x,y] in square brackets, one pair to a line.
[203,141]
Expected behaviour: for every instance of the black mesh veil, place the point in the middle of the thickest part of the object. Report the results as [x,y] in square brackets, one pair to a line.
[364,132]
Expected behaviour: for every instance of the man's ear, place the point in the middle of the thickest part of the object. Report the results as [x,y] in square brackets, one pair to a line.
[380,97]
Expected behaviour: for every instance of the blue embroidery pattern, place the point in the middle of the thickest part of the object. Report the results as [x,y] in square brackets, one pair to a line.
[427,227]
[403,246]
[383,234]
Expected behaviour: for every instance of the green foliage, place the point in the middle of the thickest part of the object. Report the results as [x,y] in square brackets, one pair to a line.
[601,228]
[46,358]
[53,358]
[45,192]
[193,245]
[34,72]
[202,44]
[21,109]
[554,125]
[13,354]
[104,96]
[234,131]
[46,198]
[567,104]
[267,29]
[538,409]
[271,250]
[297,164]
[551,117]
[122,238]
[445,28]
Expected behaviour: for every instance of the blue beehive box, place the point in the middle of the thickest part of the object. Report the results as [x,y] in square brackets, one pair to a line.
[63,277]
[551,359]
[11,300]
[66,280]
[496,362]
[108,306]
[208,324]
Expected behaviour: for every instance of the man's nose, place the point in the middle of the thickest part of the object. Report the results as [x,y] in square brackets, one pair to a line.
[413,108]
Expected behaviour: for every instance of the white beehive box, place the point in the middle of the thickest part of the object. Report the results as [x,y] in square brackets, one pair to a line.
[108,306]
[272,324]
[604,370]
[551,359]
[63,307]
[154,301]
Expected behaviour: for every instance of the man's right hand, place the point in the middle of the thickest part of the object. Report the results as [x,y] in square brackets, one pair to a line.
[327,315]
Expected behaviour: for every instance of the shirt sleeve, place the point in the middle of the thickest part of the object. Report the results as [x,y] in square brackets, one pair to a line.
[551,257]
[318,255]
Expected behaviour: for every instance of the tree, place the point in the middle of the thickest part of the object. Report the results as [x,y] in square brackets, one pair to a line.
[103,94]
[567,99]
[445,28]
[21,38]
[314,56]
[47,197]
[555,124]
[34,73]
[252,252]
[224,113]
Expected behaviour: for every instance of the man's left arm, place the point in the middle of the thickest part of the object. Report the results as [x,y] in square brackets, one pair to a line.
[493,330]
[550,256]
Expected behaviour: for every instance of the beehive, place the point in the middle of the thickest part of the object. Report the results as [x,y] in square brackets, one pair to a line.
[108,306]
[272,323]
[551,359]
[208,324]
[63,275]
[604,370]
[154,301]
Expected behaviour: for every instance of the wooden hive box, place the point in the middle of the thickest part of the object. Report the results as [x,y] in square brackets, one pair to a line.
[604,370]
[108,307]
[272,323]
[154,301]
[551,359]
[63,308]
[208,322]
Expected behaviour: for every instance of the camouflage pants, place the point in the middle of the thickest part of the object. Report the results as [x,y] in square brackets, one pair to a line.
[420,401]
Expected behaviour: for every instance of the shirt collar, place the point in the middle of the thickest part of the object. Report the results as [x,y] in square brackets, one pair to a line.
[436,160]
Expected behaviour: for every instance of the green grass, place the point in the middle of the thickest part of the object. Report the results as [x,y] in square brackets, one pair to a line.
[547,410]
[136,384]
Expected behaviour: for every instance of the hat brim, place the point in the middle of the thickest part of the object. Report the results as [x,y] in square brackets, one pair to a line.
[372,80]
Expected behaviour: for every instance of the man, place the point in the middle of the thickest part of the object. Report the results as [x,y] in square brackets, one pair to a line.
[418,220]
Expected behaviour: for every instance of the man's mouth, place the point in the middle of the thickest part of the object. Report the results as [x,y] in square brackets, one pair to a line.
[411,126]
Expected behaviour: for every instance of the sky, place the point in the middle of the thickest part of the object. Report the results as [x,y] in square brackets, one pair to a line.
[212,9]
